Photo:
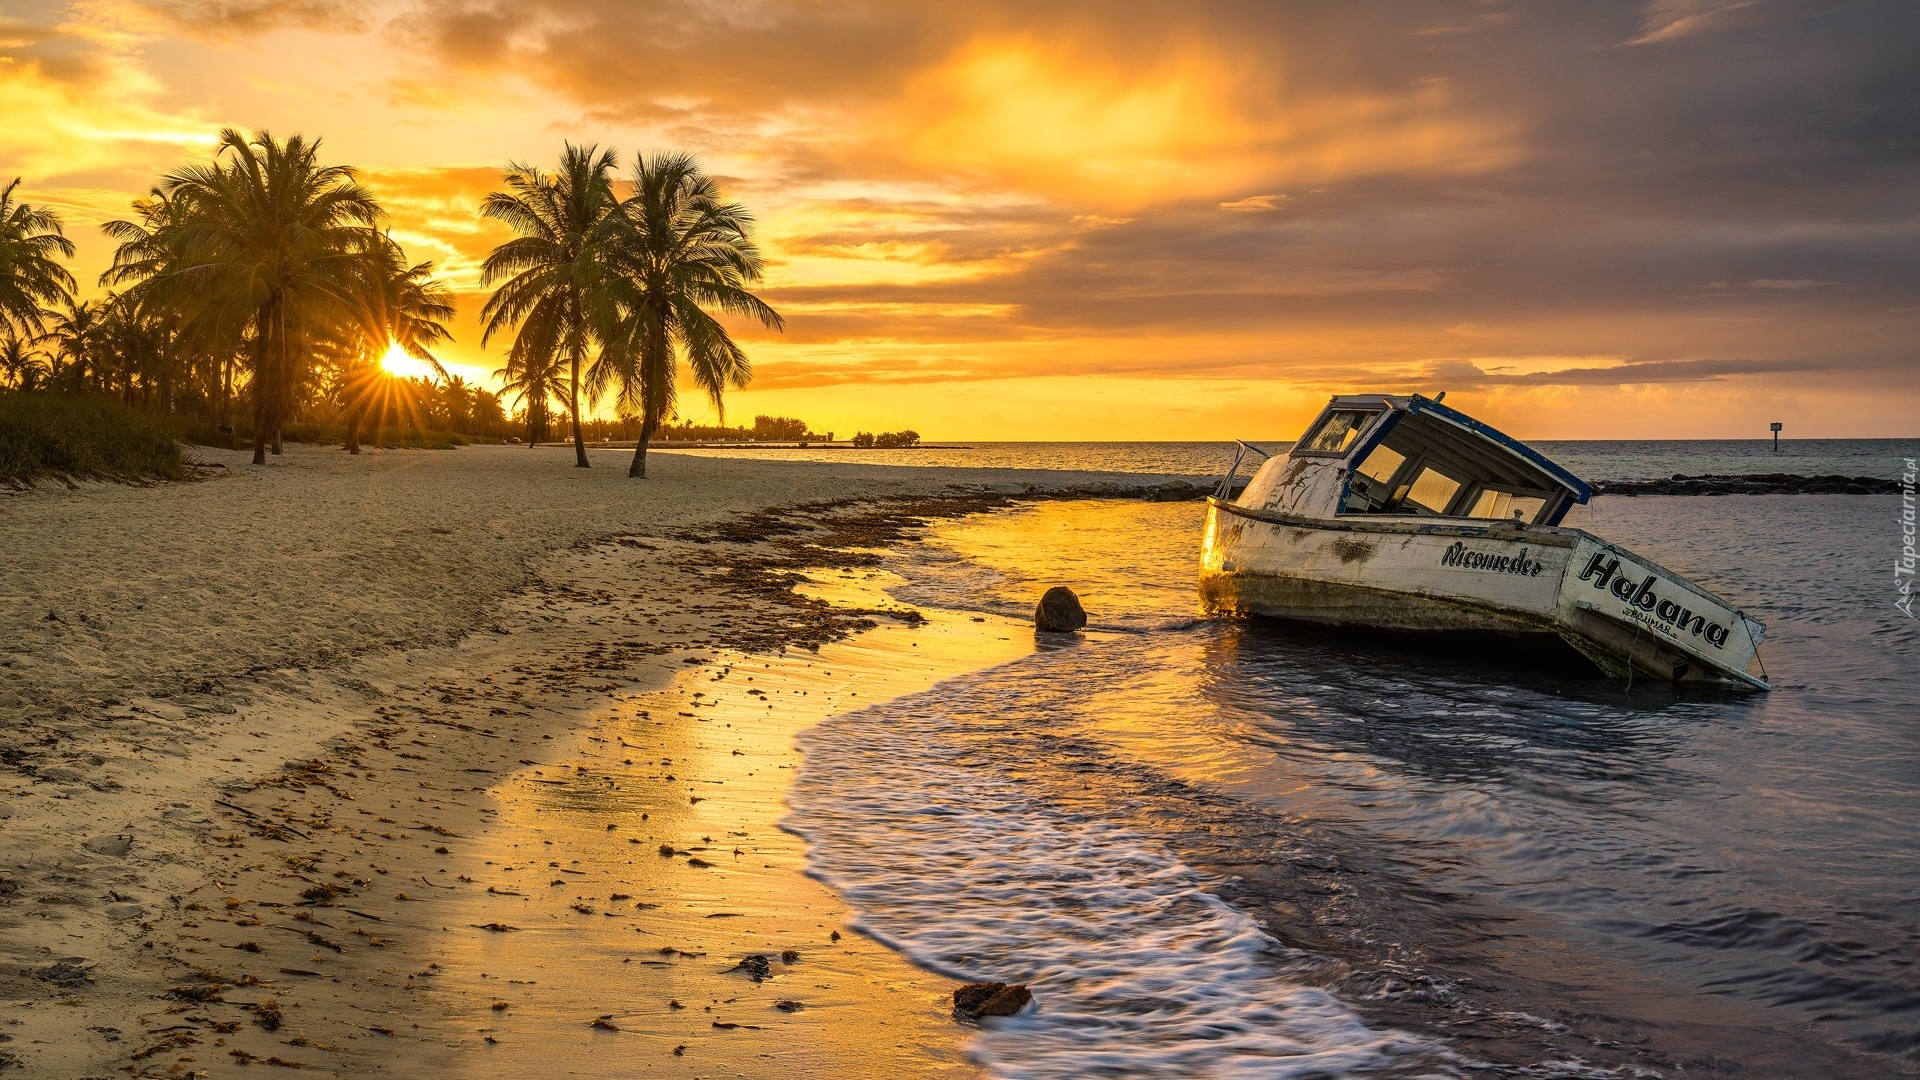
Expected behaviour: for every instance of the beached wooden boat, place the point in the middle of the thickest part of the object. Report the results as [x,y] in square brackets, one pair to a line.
[1399,513]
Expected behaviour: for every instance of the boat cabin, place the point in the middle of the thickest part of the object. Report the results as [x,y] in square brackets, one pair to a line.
[1377,454]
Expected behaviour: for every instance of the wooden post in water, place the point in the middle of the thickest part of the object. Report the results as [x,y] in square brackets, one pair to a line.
[1776,436]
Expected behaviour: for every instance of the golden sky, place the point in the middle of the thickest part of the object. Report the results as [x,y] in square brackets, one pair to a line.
[1117,220]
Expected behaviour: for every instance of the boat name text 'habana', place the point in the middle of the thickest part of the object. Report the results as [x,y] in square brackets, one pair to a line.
[1603,573]
[1521,564]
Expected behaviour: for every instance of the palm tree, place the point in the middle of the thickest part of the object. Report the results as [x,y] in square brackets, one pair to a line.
[682,252]
[21,366]
[189,349]
[533,376]
[552,275]
[30,279]
[398,306]
[269,245]
[208,341]
[453,401]
[75,335]
[484,414]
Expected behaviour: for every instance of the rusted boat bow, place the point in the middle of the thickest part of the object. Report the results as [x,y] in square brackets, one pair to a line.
[1400,513]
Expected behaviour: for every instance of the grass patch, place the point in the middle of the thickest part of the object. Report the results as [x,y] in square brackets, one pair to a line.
[45,436]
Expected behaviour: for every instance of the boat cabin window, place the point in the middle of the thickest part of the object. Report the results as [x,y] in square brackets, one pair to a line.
[1504,505]
[1336,433]
[1432,491]
[1423,465]
[1381,463]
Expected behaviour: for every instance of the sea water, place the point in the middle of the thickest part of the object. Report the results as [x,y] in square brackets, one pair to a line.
[1224,849]
[1593,460]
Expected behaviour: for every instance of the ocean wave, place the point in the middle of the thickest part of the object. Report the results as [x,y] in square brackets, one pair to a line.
[976,874]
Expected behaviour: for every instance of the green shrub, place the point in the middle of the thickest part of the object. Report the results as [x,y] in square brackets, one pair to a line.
[46,435]
[306,431]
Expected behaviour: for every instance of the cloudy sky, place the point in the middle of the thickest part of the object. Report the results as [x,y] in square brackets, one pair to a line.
[1037,219]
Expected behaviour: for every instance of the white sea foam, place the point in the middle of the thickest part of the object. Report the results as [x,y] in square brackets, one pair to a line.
[973,873]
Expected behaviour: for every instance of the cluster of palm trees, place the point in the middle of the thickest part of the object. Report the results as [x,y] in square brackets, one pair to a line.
[603,293]
[269,274]
[31,281]
[92,347]
[264,268]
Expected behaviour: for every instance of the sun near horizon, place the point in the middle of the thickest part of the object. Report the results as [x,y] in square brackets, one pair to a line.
[401,364]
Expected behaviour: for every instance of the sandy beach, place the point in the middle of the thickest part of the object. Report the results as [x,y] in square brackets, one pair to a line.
[450,763]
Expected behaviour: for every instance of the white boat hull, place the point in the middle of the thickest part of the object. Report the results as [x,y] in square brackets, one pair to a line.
[1626,614]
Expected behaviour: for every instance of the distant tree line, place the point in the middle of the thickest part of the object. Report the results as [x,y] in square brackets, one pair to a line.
[261,290]
[887,440]
[763,429]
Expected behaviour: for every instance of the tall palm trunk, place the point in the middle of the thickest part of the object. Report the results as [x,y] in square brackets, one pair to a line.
[639,467]
[259,430]
[262,388]
[656,366]
[282,379]
[272,390]
[573,404]
[226,397]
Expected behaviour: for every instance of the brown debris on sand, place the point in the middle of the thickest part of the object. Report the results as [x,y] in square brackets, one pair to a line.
[756,966]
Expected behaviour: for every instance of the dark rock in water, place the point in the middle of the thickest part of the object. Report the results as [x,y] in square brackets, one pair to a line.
[975,1000]
[1059,611]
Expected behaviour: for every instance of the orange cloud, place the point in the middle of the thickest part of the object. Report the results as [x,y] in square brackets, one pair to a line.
[79,100]
[1194,121]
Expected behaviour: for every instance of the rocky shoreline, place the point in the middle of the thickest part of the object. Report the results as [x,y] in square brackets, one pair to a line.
[1750,484]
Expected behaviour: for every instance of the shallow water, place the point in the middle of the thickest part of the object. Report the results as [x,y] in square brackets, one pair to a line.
[1236,849]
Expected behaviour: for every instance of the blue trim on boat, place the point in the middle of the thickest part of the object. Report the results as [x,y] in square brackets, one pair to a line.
[1359,453]
[1582,491]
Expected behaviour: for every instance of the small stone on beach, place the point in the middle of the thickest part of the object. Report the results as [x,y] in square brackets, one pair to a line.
[109,845]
